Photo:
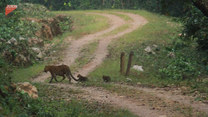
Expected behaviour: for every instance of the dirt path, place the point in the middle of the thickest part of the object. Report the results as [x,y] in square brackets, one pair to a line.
[73,51]
[144,104]
[173,95]
[103,96]
[102,50]
[149,103]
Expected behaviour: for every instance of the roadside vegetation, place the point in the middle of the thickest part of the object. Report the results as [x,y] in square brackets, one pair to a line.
[25,70]
[174,62]
[83,24]
[58,106]
[32,36]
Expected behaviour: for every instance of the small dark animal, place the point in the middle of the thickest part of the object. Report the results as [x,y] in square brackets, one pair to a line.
[106,78]
[60,70]
[82,78]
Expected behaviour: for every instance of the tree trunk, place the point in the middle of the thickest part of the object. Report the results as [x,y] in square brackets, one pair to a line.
[122,4]
[202,5]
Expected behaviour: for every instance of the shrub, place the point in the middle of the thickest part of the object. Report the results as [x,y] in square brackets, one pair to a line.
[5,71]
[14,103]
[19,104]
[35,11]
[14,34]
[196,28]
[65,23]
[180,68]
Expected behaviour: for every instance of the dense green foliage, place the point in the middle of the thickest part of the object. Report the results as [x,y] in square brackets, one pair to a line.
[194,20]
[191,47]
[20,104]
[168,7]
[14,103]
[5,78]
[188,63]
[196,28]
[34,11]
[14,33]
[180,69]
[14,45]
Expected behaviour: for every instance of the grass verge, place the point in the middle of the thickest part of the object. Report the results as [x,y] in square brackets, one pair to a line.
[83,24]
[157,31]
[160,31]
[85,56]
[67,104]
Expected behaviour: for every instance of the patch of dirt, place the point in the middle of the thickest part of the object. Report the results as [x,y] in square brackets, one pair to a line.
[102,49]
[73,51]
[173,94]
[150,103]
[103,96]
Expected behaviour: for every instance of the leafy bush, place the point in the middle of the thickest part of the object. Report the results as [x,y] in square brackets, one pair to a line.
[65,23]
[19,104]
[15,32]
[5,71]
[35,11]
[13,37]
[180,69]
[196,28]
[13,103]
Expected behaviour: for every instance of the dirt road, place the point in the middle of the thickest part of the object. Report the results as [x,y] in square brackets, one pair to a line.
[149,103]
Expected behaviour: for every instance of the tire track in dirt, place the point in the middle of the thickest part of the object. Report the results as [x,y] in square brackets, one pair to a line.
[102,49]
[73,51]
[173,95]
[103,96]
[144,105]
[101,52]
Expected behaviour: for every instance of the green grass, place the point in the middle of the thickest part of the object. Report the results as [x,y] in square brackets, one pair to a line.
[115,12]
[160,30]
[119,29]
[25,74]
[56,102]
[57,105]
[133,93]
[86,56]
[84,24]
[84,109]
[88,50]
[157,31]
[125,17]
